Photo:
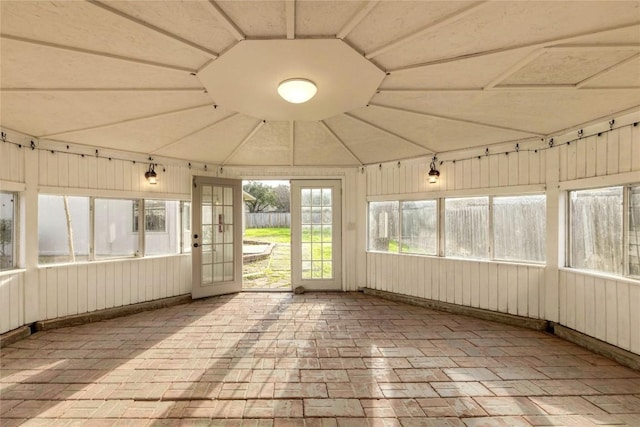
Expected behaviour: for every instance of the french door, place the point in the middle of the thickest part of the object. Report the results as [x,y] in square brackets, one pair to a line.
[216,237]
[316,246]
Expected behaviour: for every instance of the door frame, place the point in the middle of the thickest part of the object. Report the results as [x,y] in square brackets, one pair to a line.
[220,288]
[337,283]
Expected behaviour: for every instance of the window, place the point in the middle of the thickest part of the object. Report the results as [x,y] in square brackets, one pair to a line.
[162,227]
[466,227]
[596,229]
[383,226]
[7,230]
[518,224]
[63,229]
[155,215]
[419,227]
[519,228]
[113,225]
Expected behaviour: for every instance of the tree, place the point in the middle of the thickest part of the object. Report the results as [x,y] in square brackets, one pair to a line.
[264,195]
[282,195]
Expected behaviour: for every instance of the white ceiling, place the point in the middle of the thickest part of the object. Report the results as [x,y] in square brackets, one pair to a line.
[137,75]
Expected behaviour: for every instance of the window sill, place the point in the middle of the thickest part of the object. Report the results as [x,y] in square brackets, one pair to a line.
[482,260]
[12,271]
[602,275]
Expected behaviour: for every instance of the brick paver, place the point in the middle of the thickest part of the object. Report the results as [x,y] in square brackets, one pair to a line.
[311,360]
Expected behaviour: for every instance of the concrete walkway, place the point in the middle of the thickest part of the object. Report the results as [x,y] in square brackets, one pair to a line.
[317,359]
[272,273]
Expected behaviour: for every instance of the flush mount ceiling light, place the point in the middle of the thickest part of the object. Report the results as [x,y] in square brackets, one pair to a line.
[297,91]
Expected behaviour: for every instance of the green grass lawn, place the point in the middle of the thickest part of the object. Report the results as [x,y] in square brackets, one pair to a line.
[274,235]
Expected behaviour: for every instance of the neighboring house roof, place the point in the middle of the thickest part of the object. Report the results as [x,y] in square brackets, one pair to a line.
[247,197]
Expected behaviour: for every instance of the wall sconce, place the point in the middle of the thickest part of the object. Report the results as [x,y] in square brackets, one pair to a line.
[433,172]
[151,174]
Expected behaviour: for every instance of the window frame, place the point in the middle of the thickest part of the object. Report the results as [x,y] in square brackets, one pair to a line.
[400,224]
[626,204]
[89,257]
[92,211]
[441,226]
[14,231]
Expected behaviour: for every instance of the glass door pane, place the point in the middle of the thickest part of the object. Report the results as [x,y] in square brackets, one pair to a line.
[217,250]
[316,234]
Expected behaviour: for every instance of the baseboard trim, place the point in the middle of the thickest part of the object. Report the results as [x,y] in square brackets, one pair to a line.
[617,354]
[602,348]
[110,313]
[509,319]
[14,335]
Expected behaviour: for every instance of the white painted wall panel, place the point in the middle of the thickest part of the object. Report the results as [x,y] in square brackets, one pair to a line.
[11,301]
[601,307]
[13,163]
[108,284]
[65,170]
[458,281]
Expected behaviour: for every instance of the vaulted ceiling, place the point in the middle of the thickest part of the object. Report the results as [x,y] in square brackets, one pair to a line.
[193,79]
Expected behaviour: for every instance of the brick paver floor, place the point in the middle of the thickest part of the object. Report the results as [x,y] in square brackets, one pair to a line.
[317,359]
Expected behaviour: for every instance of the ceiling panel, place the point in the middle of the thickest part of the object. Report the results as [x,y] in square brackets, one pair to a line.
[542,111]
[41,114]
[324,18]
[192,20]
[22,67]
[271,145]
[627,75]
[437,134]
[150,134]
[259,19]
[369,144]
[391,20]
[314,145]
[566,66]
[455,74]
[83,25]
[469,67]
[519,23]
[213,144]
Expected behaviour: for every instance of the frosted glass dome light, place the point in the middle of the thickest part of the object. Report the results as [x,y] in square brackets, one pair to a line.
[297,90]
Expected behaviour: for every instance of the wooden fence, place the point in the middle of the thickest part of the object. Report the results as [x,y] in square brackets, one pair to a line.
[267,220]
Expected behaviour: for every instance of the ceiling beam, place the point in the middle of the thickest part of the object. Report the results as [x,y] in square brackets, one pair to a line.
[228,24]
[439,23]
[290,6]
[120,122]
[388,132]
[96,53]
[244,141]
[607,70]
[515,68]
[431,90]
[543,44]
[355,19]
[609,46]
[158,30]
[454,119]
[503,88]
[340,141]
[202,129]
[98,89]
